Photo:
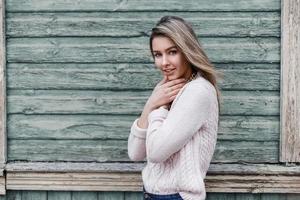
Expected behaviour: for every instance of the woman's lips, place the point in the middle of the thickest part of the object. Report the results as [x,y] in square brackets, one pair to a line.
[169,71]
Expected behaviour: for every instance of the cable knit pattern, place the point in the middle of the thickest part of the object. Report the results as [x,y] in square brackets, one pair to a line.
[178,143]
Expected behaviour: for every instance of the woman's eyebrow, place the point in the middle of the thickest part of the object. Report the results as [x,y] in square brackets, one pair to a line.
[166,49]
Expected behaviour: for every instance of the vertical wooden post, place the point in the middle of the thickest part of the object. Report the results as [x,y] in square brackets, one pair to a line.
[2,86]
[290,81]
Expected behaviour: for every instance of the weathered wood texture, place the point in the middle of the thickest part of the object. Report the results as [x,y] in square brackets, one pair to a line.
[124,167]
[235,24]
[63,195]
[128,50]
[143,5]
[2,85]
[72,137]
[116,150]
[290,82]
[133,182]
[78,75]
[245,178]
[128,76]
[127,102]
[112,127]
[2,184]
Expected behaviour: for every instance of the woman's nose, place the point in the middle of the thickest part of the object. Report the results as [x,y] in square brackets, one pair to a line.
[165,61]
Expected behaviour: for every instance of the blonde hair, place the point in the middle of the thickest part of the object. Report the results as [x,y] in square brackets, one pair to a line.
[182,34]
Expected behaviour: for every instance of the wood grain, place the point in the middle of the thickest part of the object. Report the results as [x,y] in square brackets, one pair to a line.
[127,24]
[142,5]
[129,50]
[128,76]
[135,167]
[290,87]
[105,127]
[2,184]
[133,182]
[264,103]
[2,85]
[116,151]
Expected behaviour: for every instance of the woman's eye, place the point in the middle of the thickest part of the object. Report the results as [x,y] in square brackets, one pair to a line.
[156,55]
[173,52]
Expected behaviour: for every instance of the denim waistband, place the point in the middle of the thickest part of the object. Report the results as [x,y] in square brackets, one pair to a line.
[175,196]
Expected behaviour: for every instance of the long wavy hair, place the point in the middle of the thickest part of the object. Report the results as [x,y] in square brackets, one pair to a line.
[184,37]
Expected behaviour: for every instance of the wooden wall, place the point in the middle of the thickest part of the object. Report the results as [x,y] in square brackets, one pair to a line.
[79,73]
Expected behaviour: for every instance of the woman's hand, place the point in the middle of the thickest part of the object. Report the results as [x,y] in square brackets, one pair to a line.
[165,92]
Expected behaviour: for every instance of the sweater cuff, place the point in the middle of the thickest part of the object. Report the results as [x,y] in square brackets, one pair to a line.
[137,131]
[161,112]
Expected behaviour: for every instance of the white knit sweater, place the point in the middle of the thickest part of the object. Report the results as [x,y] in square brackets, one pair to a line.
[178,143]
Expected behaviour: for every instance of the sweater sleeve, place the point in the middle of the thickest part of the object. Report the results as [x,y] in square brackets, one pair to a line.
[136,143]
[168,132]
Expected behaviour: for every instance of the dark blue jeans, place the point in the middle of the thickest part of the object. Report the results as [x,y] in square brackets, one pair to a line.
[149,196]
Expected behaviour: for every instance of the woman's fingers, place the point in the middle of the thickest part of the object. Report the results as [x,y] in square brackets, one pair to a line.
[166,91]
[174,82]
[174,92]
[179,85]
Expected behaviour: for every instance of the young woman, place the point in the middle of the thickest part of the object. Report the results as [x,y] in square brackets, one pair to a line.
[177,130]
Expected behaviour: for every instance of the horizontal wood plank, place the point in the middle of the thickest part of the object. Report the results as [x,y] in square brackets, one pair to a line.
[127,102]
[128,76]
[133,182]
[105,127]
[134,167]
[116,151]
[234,24]
[109,49]
[253,184]
[141,5]
[249,178]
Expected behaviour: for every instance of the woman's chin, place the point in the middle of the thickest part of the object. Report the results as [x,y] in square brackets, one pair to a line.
[172,77]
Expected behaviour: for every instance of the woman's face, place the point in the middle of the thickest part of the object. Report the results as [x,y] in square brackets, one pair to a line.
[169,59]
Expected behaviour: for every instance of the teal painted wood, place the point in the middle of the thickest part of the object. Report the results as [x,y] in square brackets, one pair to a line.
[129,76]
[142,5]
[275,196]
[111,195]
[247,196]
[220,196]
[98,49]
[133,196]
[116,150]
[13,195]
[293,197]
[70,57]
[83,195]
[107,127]
[127,102]
[234,24]
[34,195]
[62,195]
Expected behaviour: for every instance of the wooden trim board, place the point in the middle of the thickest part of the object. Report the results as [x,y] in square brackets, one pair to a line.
[127,177]
[290,81]
[2,185]
[2,85]
[113,181]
